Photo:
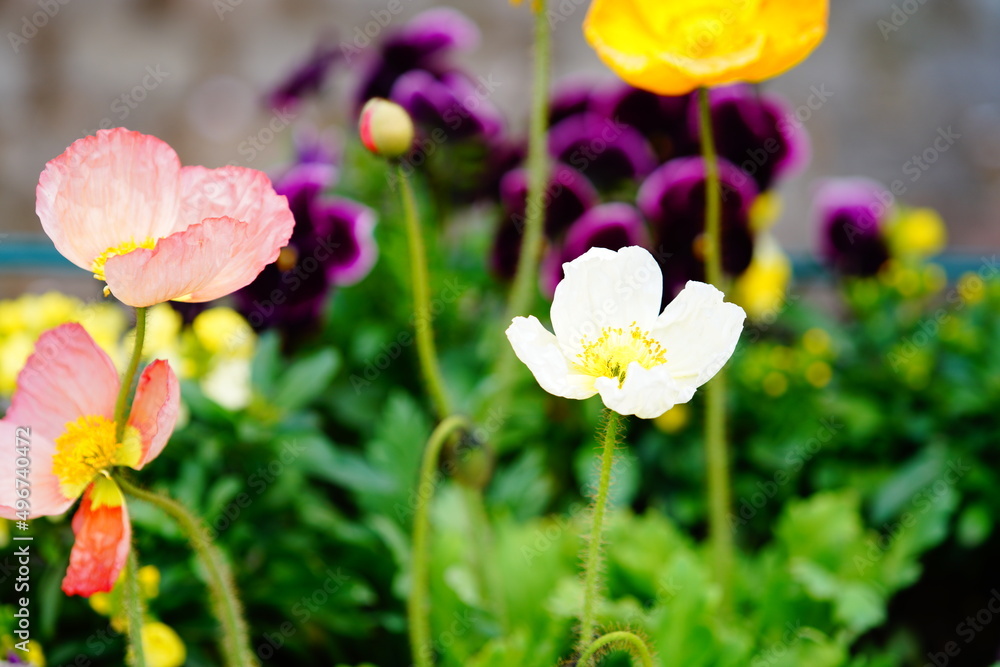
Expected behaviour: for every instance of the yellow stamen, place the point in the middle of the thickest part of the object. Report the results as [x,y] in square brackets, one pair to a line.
[610,354]
[121,249]
[87,449]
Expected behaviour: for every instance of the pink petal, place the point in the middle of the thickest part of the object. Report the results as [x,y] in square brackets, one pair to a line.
[248,196]
[67,377]
[107,189]
[102,542]
[46,499]
[180,265]
[155,408]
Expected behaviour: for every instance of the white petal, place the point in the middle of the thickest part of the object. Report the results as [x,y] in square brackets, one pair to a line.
[539,350]
[700,332]
[646,393]
[605,288]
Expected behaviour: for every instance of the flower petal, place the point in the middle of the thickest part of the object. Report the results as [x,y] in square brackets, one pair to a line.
[540,352]
[345,231]
[67,377]
[700,333]
[155,408]
[103,535]
[180,265]
[646,393]
[605,288]
[46,498]
[107,189]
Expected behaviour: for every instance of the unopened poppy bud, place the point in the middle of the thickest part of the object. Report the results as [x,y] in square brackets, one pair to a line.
[386,128]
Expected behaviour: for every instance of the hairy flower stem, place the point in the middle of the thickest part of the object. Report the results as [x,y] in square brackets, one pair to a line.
[235,640]
[418,604]
[592,571]
[621,639]
[716,451]
[422,300]
[132,601]
[121,403]
[525,286]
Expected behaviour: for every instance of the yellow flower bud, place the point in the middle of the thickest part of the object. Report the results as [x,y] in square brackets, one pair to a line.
[386,129]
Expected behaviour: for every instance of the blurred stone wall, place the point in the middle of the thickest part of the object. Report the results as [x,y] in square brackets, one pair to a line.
[891,75]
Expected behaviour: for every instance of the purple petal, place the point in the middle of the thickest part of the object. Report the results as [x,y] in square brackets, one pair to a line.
[612,226]
[673,200]
[306,79]
[452,103]
[663,120]
[345,241]
[758,133]
[606,151]
[850,215]
[420,44]
[571,97]
[568,195]
[302,184]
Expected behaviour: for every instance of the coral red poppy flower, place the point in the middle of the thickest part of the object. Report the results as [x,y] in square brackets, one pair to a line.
[63,413]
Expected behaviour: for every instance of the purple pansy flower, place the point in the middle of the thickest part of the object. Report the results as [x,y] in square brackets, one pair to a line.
[850,215]
[332,244]
[662,119]
[307,79]
[420,44]
[757,133]
[673,200]
[450,102]
[606,151]
[568,196]
[612,226]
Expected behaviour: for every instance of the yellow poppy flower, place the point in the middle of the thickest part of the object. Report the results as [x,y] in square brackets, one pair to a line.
[672,47]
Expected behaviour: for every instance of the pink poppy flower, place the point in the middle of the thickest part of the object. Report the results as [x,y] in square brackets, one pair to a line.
[63,411]
[120,205]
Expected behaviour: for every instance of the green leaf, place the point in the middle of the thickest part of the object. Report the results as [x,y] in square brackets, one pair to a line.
[306,380]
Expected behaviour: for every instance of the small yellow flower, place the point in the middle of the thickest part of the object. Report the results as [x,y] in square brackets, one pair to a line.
[223,331]
[775,384]
[761,288]
[816,341]
[149,581]
[818,374]
[917,232]
[162,646]
[674,419]
[672,47]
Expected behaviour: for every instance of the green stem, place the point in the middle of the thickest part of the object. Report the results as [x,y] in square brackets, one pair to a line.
[526,279]
[592,571]
[716,451]
[418,604]
[713,204]
[133,611]
[121,404]
[422,301]
[235,640]
[630,642]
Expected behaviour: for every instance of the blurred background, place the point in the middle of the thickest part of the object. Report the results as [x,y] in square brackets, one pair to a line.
[195,73]
[899,360]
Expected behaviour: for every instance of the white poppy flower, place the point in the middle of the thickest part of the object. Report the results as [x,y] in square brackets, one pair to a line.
[610,338]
